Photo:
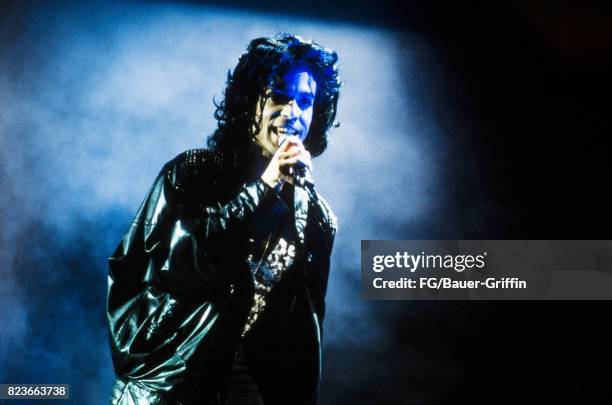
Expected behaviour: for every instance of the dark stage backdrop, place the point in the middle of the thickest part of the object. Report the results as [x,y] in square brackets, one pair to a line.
[458,120]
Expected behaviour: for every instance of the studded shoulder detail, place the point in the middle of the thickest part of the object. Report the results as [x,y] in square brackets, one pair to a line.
[203,159]
[194,166]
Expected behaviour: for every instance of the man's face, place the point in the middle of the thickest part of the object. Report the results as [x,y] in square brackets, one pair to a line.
[287,110]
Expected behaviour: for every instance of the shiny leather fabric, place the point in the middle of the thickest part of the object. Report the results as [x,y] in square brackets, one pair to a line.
[180,288]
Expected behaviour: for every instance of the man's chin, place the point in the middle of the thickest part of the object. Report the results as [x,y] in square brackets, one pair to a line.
[266,153]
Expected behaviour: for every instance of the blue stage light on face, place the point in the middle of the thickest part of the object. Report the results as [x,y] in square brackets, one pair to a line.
[287,110]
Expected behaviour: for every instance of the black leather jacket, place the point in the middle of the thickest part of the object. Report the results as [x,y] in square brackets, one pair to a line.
[180,288]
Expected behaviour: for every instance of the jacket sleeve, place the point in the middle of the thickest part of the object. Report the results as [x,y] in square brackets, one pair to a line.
[161,307]
[192,237]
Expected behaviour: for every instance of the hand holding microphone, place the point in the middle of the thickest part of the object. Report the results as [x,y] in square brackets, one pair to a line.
[290,163]
[301,170]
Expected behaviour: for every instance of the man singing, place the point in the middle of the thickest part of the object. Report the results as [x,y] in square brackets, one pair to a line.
[217,291]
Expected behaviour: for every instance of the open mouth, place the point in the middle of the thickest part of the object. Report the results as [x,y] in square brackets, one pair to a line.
[285,131]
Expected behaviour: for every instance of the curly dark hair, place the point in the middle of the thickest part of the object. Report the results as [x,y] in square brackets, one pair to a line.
[261,67]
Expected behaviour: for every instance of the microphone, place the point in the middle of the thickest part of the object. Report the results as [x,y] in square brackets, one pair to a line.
[302,176]
[301,172]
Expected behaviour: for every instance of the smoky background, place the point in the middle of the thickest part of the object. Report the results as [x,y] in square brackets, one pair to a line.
[456,122]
